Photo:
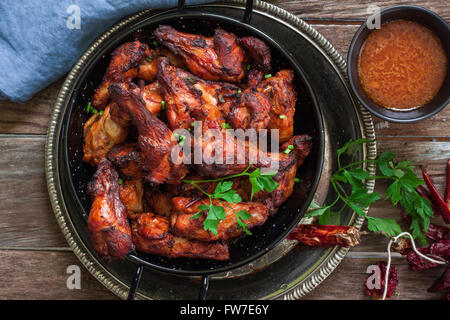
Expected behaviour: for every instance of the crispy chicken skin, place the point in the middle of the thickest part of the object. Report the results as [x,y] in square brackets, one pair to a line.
[158,201]
[184,208]
[151,234]
[282,96]
[254,77]
[148,67]
[285,176]
[101,133]
[189,98]
[259,52]
[302,147]
[251,110]
[146,94]
[155,140]
[212,58]
[109,231]
[127,158]
[123,67]
[180,95]
[152,96]
[232,164]
[131,193]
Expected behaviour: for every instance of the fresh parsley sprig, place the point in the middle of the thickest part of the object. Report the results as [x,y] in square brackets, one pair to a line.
[403,183]
[225,195]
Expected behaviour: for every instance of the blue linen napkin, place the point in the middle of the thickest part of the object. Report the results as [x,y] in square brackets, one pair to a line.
[40,40]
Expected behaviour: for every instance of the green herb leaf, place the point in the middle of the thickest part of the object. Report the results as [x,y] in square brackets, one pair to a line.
[226,125]
[223,186]
[224,192]
[318,211]
[403,183]
[349,146]
[388,226]
[393,192]
[240,216]
[384,163]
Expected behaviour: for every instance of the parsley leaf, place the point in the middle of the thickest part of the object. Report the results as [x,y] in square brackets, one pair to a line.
[225,195]
[403,183]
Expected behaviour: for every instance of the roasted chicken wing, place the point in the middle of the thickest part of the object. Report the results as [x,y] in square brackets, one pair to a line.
[132,193]
[155,140]
[189,98]
[282,96]
[285,177]
[220,57]
[184,208]
[147,95]
[127,158]
[123,67]
[259,53]
[301,147]
[152,96]
[101,133]
[148,67]
[158,201]
[151,234]
[251,110]
[108,227]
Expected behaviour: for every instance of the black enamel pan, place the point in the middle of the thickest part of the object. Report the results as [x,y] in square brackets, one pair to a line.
[75,174]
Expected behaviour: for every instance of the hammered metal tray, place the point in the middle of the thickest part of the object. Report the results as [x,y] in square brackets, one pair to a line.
[288,271]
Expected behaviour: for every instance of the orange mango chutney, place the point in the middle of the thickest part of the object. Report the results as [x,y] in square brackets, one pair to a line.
[402,65]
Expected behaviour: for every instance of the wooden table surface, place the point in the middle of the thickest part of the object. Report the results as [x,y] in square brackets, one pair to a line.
[34,255]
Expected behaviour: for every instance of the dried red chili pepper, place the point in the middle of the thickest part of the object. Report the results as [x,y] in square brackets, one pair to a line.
[377,291]
[436,198]
[325,235]
[440,249]
[442,283]
[417,263]
[435,232]
[447,189]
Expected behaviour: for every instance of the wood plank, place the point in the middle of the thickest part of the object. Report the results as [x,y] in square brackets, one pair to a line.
[40,269]
[31,117]
[347,282]
[26,216]
[432,129]
[43,275]
[350,9]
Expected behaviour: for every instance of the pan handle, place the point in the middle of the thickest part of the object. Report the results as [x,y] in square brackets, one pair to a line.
[204,287]
[135,282]
[248,11]
[181,4]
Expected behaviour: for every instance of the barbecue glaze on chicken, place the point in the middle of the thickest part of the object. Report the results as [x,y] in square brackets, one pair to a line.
[108,227]
[142,198]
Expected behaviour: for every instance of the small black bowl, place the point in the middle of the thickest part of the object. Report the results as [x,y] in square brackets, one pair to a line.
[412,13]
